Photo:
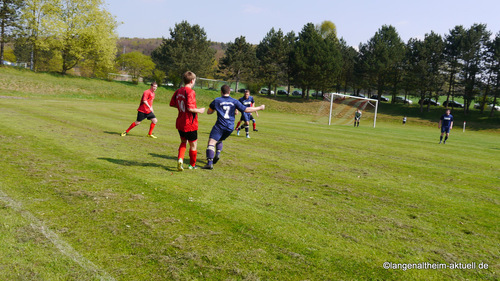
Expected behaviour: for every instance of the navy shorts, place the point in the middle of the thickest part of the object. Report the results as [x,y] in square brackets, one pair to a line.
[141,116]
[445,130]
[246,117]
[220,134]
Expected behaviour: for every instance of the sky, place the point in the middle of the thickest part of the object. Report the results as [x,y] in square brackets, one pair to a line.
[356,20]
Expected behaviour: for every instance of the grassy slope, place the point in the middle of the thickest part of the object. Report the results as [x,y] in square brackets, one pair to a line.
[299,201]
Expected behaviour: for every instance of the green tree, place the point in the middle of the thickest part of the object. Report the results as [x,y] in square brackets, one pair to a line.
[187,49]
[327,28]
[349,56]
[307,59]
[384,53]
[433,51]
[453,45]
[36,29]
[9,19]
[84,30]
[272,58]
[494,69]
[239,60]
[474,50]
[137,65]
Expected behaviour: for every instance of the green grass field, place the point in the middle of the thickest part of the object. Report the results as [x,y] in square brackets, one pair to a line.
[297,201]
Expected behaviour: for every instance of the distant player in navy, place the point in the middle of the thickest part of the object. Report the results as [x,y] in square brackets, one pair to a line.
[248,101]
[225,106]
[404,120]
[357,116]
[446,124]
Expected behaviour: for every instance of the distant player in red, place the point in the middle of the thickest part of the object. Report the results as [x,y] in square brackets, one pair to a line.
[145,110]
[184,99]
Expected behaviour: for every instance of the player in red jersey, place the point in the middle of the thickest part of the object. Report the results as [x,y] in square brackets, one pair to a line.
[145,110]
[184,99]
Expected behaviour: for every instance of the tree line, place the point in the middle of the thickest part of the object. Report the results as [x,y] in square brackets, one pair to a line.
[57,35]
[463,63]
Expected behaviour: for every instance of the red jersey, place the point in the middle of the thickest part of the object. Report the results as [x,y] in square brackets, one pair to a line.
[148,96]
[184,99]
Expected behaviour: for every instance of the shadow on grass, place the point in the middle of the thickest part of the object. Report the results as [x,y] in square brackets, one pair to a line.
[135,163]
[163,156]
[112,133]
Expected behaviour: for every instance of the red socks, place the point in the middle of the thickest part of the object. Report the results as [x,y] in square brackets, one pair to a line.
[131,127]
[254,125]
[151,128]
[192,157]
[237,126]
[182,150]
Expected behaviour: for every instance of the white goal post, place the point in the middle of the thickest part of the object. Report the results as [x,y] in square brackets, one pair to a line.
[333,96]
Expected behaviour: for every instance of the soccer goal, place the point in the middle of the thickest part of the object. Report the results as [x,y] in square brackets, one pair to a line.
[340,109]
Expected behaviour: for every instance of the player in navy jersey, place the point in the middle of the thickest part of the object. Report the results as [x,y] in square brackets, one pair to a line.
[446,124]
[225,106]
[246,100]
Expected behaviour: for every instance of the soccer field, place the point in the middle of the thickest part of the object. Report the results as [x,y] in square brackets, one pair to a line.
[297,201]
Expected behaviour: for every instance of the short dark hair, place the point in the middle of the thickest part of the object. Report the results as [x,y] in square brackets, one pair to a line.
[247,91]
[448,109]
[154,83]
[225,89]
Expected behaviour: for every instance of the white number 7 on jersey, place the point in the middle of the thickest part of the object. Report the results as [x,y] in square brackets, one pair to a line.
[226,108]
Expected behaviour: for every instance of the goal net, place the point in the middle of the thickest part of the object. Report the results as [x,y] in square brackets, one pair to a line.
[340,109]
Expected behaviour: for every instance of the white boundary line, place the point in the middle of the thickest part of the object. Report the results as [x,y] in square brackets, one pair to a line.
[60,244]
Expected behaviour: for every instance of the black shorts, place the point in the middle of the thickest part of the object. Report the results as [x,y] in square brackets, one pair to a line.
[141,116]
[190,136]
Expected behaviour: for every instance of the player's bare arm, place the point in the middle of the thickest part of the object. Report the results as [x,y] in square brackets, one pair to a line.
[147,104]
[451,125]
[439,124]
[197,110]
[255,109]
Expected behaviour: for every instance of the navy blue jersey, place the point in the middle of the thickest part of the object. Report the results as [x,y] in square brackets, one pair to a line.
[247,102]
[446,120]
[225,107]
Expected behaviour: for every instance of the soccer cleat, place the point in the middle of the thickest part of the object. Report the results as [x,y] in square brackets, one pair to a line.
[152,136]
[208,167]
[238,132]
[444,142]
[193,167]
[179,165]
[440,142]
[248,136]
[255,130]
[216,159]
[124,133]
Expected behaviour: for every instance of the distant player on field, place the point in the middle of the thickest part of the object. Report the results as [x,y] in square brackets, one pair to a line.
[225,106]
[357,116]
[248,101]
[184,99]
[145,110]
[446,124]
[404,120]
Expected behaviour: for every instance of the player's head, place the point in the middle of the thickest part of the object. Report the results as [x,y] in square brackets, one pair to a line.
[247,93]
[448,111]
[225,90]
[188,77]
[154,86]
